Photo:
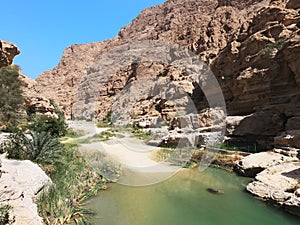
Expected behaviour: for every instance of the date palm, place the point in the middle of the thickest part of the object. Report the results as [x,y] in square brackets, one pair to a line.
[39,147]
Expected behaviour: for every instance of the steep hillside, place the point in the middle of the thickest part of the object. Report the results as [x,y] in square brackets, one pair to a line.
[260,76]
[252,47]
[204,26]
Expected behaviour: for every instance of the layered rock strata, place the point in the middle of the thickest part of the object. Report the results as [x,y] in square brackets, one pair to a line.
[252,47]
[276,178]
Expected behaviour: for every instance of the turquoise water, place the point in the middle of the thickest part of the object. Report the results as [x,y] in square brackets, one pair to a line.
[184,200]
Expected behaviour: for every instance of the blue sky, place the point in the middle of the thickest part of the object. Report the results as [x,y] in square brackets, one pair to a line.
[43,29]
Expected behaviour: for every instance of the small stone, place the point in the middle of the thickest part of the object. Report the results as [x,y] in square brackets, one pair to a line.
[297,192]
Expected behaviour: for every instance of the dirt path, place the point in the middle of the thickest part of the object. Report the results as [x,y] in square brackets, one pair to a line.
[135,157]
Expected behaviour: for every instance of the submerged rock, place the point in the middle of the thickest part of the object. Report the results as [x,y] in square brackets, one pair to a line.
[215,191]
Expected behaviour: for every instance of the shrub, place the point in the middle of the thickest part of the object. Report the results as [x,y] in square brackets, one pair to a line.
[141,134]
[175,156]
[106,122]
[4,214]
[74,182]
[278,44]
[108,168]
[11,98]
[106,135]
[37,147]
[43,123]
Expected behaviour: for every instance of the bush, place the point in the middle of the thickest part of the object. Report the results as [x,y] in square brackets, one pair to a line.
[108,168]
[43,123]
[141,134]
[57,127]
[74,182]
[11,98]
[175,156]
[106,121]
[4,214]
[37,147]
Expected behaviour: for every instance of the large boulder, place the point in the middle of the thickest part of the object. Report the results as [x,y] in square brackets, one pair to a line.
[279,185]
[20,183]
[289,138]
[256,163]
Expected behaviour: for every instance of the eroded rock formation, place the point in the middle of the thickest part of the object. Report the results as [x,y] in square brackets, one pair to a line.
[276,178]
[252,47]
[7,53]
[259,75]
[34,101]
[279,185]
[184,22]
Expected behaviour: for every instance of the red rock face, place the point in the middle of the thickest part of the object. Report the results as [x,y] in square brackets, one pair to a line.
[252,47]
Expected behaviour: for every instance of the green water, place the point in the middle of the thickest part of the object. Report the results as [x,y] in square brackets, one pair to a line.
[184,200]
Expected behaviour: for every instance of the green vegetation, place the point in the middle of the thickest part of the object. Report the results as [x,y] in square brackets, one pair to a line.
[278,45]
[35,138]
[141,134]
[72,134]
[106,135]
[57,127]
[106,122]
[117,131]
[175,156]
[10,98]
[74,179]
[102,136]
[74,182]
[37,147]
[103,165]
[4,214]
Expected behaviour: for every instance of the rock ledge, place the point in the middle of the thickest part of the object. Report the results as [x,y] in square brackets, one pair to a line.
[20,182]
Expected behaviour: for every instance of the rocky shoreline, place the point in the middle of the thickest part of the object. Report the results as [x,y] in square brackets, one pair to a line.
[276,178]
[276,174]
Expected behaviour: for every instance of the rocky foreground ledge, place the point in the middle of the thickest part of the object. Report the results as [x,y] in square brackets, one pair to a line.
[277,179]
[20,183]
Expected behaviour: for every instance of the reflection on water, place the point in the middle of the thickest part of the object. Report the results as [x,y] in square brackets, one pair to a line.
[184,200]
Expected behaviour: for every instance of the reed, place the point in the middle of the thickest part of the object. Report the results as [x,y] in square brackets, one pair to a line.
[74,183]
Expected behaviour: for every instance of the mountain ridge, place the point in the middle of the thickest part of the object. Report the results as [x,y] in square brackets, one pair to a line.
[221,32]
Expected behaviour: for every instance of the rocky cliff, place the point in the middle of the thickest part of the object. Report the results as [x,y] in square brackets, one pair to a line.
[8,51]
[34,102]
[252,47]
[194,24]
[262,80]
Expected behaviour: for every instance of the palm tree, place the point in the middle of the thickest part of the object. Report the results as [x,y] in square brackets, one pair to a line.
[39,147]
